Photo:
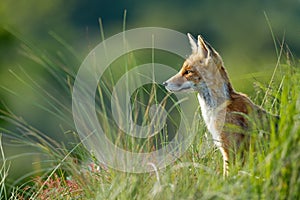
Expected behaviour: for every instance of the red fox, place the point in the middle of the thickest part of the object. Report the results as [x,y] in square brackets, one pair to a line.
[228,115]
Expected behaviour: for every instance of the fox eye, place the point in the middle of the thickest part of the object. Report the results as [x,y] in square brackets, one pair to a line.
[188,72]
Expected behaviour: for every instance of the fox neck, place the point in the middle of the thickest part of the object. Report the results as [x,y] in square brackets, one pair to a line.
[212,95]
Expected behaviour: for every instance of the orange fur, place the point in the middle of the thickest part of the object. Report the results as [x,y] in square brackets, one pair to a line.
[226,112]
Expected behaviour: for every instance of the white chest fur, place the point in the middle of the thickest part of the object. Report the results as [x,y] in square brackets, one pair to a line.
[209,116]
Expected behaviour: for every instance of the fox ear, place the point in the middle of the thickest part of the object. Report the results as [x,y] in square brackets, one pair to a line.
[203,48]
[207,51]
[193,43]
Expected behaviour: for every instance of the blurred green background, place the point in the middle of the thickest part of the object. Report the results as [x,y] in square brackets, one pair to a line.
[237,29]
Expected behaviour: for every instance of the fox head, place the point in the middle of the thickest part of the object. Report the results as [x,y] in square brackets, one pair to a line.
[199,68]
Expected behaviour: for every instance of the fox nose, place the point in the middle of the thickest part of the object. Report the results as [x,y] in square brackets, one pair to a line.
[165,83]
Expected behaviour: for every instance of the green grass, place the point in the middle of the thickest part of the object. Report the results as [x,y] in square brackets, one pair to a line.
[270,172]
